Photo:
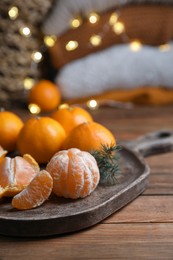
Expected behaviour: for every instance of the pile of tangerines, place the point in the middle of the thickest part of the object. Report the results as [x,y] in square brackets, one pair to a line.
[61,141]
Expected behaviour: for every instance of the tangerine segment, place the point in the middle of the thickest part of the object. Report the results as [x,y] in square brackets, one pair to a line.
[32,161]
[36,193]
[16,174]
[24,171]
[89,136]
[75,173]
[41,137]
[69,117]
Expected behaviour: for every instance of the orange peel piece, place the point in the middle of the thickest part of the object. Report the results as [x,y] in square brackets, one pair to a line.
[2,152]
[15,174]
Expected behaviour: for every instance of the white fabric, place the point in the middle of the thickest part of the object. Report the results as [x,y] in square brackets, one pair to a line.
[114,68]
[65,10]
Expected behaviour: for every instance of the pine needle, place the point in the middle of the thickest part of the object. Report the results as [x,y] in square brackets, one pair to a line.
[107,160]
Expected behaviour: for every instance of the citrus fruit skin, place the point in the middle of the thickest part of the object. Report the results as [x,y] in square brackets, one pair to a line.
[75,173]
[10,126]
[70,117]
[36,193]
[2,153]
[88,137]
[41,137]
[45,94]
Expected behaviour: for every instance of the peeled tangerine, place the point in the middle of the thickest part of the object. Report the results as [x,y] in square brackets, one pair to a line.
[16,174]
[75,173]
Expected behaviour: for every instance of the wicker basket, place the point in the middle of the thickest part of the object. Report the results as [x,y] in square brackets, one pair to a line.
[17,49]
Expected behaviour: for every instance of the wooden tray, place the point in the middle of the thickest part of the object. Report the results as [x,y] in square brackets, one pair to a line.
[58,215]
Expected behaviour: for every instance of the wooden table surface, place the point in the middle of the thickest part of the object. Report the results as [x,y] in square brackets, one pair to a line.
[141,230]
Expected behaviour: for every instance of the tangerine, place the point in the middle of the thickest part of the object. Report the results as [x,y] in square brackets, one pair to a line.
[41,137]
[10,126]
[36,193]
[75,173]
[45,94]
[89,136]
[69,117]
[16,173]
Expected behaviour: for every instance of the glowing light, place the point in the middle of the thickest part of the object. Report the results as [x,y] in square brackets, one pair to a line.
[118,28]
[50,40]
[36,56]
[95,40]
[13,12]
[76,22]
[25,31]
[92,104]
[164,47]
[93,17]
[135,45]
[34,109]
[113,18]
[71,45]
[63,106]
[28,83]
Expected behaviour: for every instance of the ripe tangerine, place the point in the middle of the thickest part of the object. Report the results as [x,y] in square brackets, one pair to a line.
[10,126]
[89,136]
[41,137]
[45,94]
[71,116]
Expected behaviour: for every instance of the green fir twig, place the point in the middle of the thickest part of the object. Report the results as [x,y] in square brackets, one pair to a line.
[107,160]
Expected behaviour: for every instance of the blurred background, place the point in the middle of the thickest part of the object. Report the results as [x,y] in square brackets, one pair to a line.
[117,50]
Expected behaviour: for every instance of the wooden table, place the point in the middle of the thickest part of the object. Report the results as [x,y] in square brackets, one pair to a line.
[141,230]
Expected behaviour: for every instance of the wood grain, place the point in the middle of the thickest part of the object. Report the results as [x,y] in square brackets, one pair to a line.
[104,241]
[158,208]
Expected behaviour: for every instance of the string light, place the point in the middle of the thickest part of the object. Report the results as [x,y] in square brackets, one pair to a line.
[34,109]
[92,104]
[13,12]
[113,18]
[93,17]
[50,40]
[36,56]
[25,31]
[95,40]
[135,45]
[71,45]
[76,22]
[28,83]
[118,28]
[164,47]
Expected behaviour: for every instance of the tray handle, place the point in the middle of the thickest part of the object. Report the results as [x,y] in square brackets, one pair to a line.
[153,143]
